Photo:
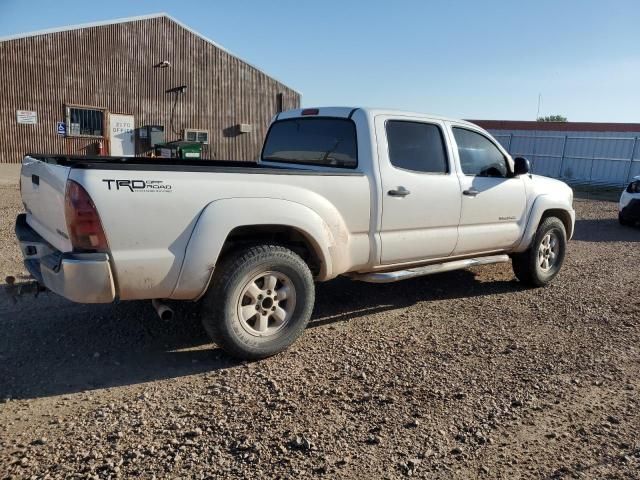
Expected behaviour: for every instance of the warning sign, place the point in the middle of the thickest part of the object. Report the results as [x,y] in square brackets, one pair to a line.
[27,116]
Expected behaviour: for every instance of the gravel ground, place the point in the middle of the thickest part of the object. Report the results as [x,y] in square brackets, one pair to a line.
[462,375]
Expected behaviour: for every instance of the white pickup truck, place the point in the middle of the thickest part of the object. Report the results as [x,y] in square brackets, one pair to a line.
[375,195]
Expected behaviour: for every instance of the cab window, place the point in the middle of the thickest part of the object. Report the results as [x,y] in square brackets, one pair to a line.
[416,146]
[329,142]
[478,155]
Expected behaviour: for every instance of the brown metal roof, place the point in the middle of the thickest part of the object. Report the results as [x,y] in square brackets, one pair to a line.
[557,126]
[152,16]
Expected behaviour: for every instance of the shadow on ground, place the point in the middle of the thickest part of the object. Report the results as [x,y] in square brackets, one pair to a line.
[343,300]
[605,230]
[603,194]
[51,346]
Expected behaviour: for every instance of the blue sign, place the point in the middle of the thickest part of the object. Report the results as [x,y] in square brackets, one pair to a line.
[61,128]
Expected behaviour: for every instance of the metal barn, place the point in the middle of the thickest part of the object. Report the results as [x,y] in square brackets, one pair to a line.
[118,87]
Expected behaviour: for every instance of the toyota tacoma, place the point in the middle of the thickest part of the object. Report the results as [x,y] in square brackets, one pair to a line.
[374,195]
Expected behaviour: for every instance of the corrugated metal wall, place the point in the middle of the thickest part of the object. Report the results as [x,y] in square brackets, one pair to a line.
[112,67]
[599,158]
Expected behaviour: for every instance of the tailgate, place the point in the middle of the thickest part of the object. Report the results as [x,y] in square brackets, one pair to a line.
[42,187]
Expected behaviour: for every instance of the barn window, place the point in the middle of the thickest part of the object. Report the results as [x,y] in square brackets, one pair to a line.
[85,122]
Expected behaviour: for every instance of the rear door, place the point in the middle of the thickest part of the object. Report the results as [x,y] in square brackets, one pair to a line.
[421,194]
[493,202]
[43,187]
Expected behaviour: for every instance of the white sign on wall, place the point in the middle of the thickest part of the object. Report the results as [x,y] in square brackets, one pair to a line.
[27,116]
[121,128]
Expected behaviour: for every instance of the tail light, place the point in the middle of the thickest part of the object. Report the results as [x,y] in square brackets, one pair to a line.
[83,222]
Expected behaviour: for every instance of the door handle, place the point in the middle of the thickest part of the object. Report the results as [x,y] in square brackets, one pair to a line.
[398,192]
[472,192]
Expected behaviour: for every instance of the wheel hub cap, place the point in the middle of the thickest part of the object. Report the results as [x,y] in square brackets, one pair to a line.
[548,251]
[266,303]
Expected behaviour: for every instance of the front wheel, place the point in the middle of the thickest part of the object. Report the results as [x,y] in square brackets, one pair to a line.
[542,261]
[259,302]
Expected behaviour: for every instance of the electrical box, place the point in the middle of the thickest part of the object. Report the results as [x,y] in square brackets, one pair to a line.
[195,135]
[245,128]
[151,135]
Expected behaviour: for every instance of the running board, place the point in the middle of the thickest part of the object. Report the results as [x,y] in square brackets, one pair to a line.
[388,277]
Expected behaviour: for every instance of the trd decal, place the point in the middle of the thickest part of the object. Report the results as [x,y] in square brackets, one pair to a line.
[138,185]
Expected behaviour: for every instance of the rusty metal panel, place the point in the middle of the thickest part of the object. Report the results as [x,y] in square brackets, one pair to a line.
[112,67]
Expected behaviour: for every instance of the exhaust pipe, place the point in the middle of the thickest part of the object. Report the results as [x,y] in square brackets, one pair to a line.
[162,309]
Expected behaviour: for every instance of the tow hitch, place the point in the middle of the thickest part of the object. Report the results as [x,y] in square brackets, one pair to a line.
[30,287]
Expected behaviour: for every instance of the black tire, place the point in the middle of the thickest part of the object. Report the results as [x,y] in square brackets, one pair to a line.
[222,313]
[527,265]
[623,221]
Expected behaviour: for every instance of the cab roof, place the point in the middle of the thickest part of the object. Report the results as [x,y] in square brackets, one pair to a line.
[346,112]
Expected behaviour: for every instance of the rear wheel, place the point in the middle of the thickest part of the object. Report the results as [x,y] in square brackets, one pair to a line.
[259,302]
[623,220]
[542,261]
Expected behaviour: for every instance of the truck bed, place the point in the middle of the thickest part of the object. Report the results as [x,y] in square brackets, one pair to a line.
[148,230]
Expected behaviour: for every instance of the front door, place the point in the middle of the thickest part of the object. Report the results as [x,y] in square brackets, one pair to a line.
[121,141]
[493,201]
[420,193]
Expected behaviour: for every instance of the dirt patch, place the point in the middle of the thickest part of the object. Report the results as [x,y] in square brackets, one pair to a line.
[461,375]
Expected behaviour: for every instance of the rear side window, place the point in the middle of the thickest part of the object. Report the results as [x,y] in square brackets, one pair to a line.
[312,141]
[478,155]
[416,146]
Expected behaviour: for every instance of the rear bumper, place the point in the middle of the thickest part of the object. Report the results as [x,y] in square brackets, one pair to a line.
[79,277]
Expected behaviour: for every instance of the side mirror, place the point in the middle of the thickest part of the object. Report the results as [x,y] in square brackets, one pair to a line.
[521,166]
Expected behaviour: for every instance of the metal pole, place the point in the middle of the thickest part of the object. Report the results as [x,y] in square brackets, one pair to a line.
[564,147]
[593,155]
[510,140]
[533,154]
[633,154]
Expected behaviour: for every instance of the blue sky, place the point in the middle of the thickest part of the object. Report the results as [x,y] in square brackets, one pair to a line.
[470,59]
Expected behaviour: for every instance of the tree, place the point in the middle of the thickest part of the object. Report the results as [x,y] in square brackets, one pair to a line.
[552,118]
